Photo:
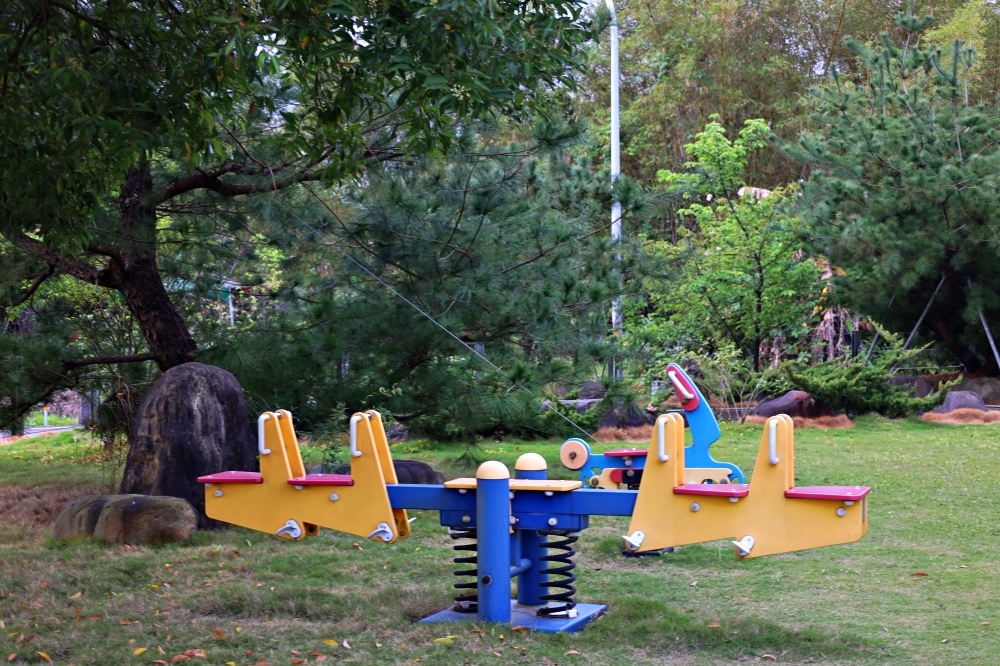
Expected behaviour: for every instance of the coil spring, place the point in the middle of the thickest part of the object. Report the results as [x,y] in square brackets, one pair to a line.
[561,601]
[466,602]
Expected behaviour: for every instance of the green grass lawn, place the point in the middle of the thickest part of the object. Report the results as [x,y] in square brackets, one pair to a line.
[247,598]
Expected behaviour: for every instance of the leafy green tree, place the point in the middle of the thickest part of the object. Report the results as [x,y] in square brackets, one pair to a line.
[902,194]
[121,118]
[683,61]
[736,272]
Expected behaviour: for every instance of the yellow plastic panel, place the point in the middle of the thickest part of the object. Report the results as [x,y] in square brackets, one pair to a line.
[780,524]
[291,442]
[269,506]
[388,471]
[777,524]
[256,505]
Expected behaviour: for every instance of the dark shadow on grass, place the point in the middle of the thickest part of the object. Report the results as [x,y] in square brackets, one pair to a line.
[657,628]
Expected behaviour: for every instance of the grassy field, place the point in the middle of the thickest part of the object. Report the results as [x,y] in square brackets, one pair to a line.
[922,588]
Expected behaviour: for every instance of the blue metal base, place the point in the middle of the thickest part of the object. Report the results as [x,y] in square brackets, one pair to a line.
[525,616]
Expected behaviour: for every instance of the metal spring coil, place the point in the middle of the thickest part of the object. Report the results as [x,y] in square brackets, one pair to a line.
[561,601]
[466,602]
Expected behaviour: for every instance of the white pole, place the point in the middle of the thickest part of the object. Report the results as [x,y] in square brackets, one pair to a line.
[616,207]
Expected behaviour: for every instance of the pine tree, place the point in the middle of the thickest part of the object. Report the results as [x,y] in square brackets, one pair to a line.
[902,194]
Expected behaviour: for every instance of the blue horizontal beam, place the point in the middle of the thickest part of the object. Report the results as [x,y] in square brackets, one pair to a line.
[583,502]
[420,496]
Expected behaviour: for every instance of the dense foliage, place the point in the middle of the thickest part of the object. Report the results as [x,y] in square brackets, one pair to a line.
[901,196]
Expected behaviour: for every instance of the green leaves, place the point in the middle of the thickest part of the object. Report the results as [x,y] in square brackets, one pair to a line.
[900,193]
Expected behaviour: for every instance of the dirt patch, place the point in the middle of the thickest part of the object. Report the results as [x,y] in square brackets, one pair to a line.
[31,506]
[821,422]
[965,416]
[632,434]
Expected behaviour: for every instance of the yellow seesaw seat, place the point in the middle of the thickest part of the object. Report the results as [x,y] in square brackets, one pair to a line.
[283,500]
[767,516]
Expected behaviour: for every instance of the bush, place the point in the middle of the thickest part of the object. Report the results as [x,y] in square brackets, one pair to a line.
[853,386]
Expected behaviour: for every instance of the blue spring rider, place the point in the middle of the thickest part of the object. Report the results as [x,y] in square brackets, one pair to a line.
[622,468]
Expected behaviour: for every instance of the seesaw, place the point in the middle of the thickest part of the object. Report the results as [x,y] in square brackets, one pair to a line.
[524,528]
[622,468]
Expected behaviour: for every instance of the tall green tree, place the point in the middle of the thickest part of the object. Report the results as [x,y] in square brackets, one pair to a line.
[118,116]
[902,194]
[736,273]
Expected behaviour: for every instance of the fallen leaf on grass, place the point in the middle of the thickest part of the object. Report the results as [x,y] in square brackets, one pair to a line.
[984,624]
[445,640]
[378,645]
[296,662]
[944,640]
[713,624]
[77,595]
[160,662]
[124,621]
[179,658]
[356,545]
[331,642]
[919,573]
[520,628]
[218,633]
[769,656]
[569,652]
[44,656]
[136,652]
[12,656]
[346,645]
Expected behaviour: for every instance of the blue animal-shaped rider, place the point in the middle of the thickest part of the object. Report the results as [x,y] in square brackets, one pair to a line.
[622,468]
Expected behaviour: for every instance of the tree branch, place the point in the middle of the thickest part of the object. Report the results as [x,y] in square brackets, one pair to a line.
[39,279]
[78,269]
[73,364]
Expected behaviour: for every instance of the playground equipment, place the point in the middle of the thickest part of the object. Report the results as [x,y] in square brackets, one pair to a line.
[524,528]
[623,468]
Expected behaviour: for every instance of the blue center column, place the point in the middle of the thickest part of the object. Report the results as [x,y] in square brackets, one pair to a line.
[529,584]
[493,522]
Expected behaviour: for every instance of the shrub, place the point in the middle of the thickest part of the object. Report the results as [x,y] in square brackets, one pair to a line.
[855,386]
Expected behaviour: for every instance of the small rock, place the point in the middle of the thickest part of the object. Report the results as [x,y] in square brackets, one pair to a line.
[959,400]
[127,519]
[793,403]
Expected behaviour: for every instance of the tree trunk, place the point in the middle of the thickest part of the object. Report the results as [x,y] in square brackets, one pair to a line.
[162,326]
[138,279]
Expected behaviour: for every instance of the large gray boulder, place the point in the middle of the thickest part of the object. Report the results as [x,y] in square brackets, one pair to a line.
[192,422]
[131,519]
[987,388]
[793,403]
[960,400]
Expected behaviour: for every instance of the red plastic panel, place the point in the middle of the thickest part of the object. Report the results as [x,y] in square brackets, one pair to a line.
[714,489]
[681,378]
[322,480]
[842,493]
[623,453]
[232,477]
[619,475]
